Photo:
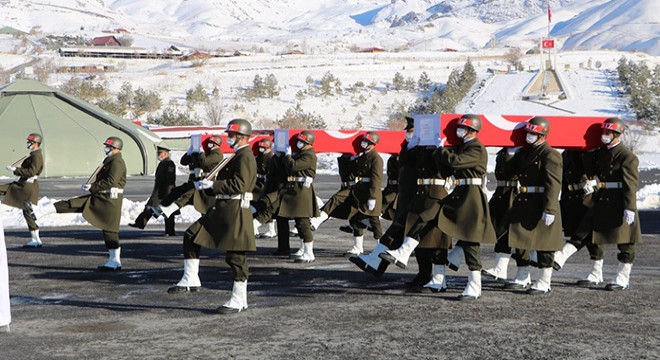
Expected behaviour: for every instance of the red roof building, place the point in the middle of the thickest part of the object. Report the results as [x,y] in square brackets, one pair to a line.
[106,41]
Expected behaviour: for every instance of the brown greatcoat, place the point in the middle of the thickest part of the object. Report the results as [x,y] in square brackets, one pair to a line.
[618,164]
[228,226]
[537,166]
[465,214]
[21,190]
[337,206]
[503,197]
[572,200]
[201,201]
[370,165]
[263,159]
[427,201]
[99,209]
[391,190]
[296,200]
[164,181]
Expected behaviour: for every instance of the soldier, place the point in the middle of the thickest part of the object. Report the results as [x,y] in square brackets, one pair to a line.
[24,192]
[576,190]
[393,237]
[102,208]
[535,218]
[297,199]
[226,226]
[614,219]
[421,225]
[366,195]
[185,194]
[164,182]
[499,205]
[465,214]
[264,157]
[390,192]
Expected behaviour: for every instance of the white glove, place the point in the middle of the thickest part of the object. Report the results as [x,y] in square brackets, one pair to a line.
[86,187]
[414,141]
[203,184]
[11,168]
[548,219]
[629,216]
[288,150]
[371,204]
[513,150]
[442,141]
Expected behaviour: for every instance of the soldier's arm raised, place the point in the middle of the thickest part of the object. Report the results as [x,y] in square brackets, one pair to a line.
[304,162]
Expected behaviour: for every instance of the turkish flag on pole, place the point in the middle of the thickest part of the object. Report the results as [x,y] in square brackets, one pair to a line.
[549,13]
[548,44]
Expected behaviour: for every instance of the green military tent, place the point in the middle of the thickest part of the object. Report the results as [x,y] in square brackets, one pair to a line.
[73,132]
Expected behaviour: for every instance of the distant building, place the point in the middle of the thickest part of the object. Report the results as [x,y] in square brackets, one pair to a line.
[106,41]
[371,50]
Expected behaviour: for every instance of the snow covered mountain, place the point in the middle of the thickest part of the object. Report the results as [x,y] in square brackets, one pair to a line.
[392,24]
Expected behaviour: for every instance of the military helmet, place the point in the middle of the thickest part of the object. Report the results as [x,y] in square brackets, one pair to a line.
[215,139]
[410,123]
[35,138]
[239,126]
[470,121]
[307,137]
[162,147]
[538,125]
[265,143]
[372,137]
[614,124]
[114,142]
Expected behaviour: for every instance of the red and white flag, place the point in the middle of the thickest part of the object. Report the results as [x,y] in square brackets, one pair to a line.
[549,13]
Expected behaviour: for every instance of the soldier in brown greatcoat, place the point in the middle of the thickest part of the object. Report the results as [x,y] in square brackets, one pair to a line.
[535,218]
[575,192]
[499,204]
[164,182]
[420,224]
[297,200]
[465,214]
[24,192]
[102,207]
[614,218]
[264,157]
[390,191]
[199,163]
[393,236]
[227,225]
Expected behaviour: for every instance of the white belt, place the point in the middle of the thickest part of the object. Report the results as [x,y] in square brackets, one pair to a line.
[114,192]
[347,183]
[392,182]
[469,181]
[244,198]
[575,187]
[362,179]
[440,182]
[306,180]
[261,176]
[610,185]
[507,183]
[532,189]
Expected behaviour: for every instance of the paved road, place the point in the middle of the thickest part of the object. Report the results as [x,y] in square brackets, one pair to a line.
[138,188]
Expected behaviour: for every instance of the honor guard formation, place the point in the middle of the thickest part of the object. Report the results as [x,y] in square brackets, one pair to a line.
[435,197]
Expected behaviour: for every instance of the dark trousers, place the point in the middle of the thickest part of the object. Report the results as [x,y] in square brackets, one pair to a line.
[182,195]
[502,244]
[28,214]
[583,236]
[282,234]
[142,220]
[111,238]
[626,253]
[359,227]
[237,260]
[472,252]
[545,259]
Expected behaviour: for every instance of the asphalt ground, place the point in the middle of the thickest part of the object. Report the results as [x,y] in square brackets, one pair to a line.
[328,309]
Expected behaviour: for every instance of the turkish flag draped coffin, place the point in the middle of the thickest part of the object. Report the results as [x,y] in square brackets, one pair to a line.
[566,132]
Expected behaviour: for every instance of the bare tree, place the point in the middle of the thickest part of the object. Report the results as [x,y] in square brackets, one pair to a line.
[214,109]
[514,57]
